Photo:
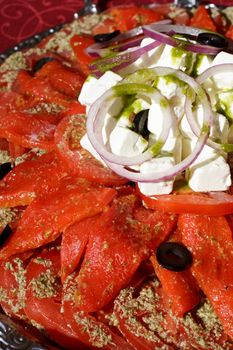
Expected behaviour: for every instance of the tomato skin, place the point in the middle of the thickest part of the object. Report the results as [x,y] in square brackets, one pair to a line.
[193,203]
[210,241]
[202,19]
[43,306]
[80,161]
[51,214]
[30,179]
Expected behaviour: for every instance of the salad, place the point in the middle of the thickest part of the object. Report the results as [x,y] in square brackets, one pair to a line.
[116,189]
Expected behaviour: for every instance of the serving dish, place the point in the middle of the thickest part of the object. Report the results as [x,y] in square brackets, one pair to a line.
[11,337]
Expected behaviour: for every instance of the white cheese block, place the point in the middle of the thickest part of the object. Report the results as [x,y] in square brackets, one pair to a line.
[93,88]
[212,174]
[156,120]
[155,165]
[223,80]
[126,142]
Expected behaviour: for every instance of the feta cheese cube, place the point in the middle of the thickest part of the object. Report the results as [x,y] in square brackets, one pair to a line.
[93,88]
[126,142]
[212,174]
[156,120]
[223,80]
[154,165]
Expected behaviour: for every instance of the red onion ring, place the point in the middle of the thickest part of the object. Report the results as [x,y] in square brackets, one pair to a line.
[201,141]
[208,73]
[95,123]
[156,31]
[103,64]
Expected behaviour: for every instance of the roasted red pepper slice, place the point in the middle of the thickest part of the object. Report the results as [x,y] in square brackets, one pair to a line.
[43,299]
[93,333]
[13,285]
[112,256]
[79,43]
[74,241]
[210,241]
[46,217]
[62,78]
[30,179]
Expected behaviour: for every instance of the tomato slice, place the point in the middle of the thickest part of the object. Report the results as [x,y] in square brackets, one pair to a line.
[213,203]
[30,179]
[67,138]
[93,332]
[43,299]
[210,241]
[74,241]
[51,214]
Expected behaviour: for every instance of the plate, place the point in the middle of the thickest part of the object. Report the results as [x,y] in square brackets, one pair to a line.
[15,335]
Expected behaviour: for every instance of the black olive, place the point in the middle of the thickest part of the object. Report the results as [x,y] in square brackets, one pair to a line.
[5,168]
[5,235]
[101,38]
[212,39]
[173,256]
[41,62]
[140,123]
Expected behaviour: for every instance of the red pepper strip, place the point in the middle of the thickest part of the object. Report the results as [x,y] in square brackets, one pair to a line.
[180,289]
[92,332]
[210,241]
[43,299]
[46,217]
[62,78]
[13,285]
[74,241]
[31,179]
[38,90]
[28,130]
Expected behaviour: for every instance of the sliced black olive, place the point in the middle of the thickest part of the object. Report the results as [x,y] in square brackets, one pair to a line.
[101,38]
[212,39]
[5,235]
[5,168]
[140,123]
[173,256]
[40,63]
